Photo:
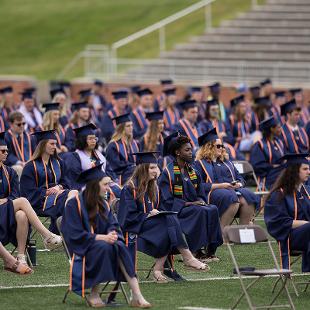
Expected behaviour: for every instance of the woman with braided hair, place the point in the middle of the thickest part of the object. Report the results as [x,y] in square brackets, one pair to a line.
[181,191]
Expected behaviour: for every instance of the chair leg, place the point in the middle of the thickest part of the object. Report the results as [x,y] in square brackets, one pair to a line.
[284,286]
[149,273]
[294,286]
[66,295]
[124,293]
[104,287]
[112,295]
[28,259]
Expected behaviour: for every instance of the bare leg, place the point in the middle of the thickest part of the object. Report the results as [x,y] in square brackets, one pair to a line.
[134,286]
[246,212]
[94,296]
[8,259]
[190,260]
[21,231]
[228,216]
[22,204]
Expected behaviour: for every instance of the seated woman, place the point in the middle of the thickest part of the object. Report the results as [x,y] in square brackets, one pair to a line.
[182,191]
[51,118]
[153,140]
[94,240]
[16,213]
[138,214]
[287,210]
[223,183]
[266,153]
[121,147]
[59,95]
[43,181]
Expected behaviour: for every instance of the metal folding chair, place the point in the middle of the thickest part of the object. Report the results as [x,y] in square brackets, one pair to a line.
[251,234]
[118,287]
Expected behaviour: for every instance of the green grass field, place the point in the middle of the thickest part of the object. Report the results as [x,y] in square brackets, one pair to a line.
[201,289]
[40,37]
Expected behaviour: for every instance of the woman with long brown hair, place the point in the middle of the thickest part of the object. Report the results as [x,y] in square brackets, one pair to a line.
[43,181]
[95,240]
[223,184]
[287,210]
[120,149]
[51,119]
[158,233]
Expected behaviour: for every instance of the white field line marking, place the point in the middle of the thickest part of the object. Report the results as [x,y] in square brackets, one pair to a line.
[189,280]
[200,308]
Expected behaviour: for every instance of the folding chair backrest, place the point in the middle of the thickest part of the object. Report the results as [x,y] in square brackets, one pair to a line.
[58,224]
[243,166]
[237,234]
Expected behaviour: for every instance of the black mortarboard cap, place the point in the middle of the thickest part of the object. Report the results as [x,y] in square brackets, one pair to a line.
[211,102]
[235,101]
[95,173]
[30,89]
[295,91]
[262,101]
[195,89]
[279,94]
[268,123]
[210,135]
[154,116]
[98,82]
[5,90]
[45,135]
[120,94]
[75,106]
[27,95]
[86,130]
[265,82]
[169,91]
[293,158]
[167,141]
[2,138]
[146,158]
[166,82]
[144,92]
[288,107]
[124,118]
[84,93]
[187,104]
[57,90]
[51,106]
[215,88]
[134,89]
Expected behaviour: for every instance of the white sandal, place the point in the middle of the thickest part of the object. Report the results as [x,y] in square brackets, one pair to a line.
[22,259]
[52,242]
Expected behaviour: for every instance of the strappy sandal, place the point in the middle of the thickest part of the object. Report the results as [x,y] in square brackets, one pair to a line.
[138,304]
[212,259]
[201,267]
[158,277]
[94,304]
[22,259]
[19,268]
[52,242]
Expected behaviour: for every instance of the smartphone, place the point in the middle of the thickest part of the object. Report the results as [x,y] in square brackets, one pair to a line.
[234,182]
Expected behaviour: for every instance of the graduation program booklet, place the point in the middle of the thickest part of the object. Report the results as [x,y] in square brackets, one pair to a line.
[163,213]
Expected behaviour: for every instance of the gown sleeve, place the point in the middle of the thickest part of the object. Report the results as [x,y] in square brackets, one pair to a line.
[258,161]
[116,164]
[78,239]
[206,185]
[129,216]
[74,169]
[277,219]
[14,182]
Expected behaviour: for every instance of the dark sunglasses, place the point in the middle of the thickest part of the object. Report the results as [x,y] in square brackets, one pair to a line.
[20,124]
[220,146]
[4,151]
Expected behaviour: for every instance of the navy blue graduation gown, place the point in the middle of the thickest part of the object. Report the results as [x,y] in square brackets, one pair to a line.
[36,178]
[221,197]
[121,160]
[185,128]
[200,224]
[20,149]
[157,235]
[140,123]
[93,261]
[70,137]
[171,117]
[226,172]
[264,155]
[9,188]
[108,125]
[280,211]
[295,141]
[238,128]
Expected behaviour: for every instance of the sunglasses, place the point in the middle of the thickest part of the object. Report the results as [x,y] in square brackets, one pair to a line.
[4,151]
[20,124]
[220,146]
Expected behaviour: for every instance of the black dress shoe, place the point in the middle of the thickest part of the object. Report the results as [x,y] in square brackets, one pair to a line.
[172,274]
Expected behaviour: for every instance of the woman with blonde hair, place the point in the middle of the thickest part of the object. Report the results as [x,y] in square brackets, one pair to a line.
[223,183]
[43,181]
[120,149]
[51,121]
[59,96]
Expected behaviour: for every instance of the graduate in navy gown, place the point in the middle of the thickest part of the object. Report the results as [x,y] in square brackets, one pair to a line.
[261,110]
[120,149]
[153,140]
[158,234]
[19,142]
[16,213]
[171,113]
[7,104]
[187,124]
[80,117]
[215,92]
[294,137]
[266,154]
[297,94]
[58,95]
[287,210]
[120,107]
[279,99]
[140,123]
[181,191]
[96,243]
[44,181]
